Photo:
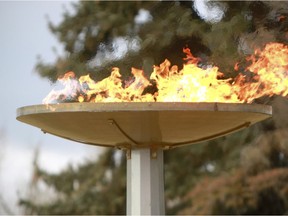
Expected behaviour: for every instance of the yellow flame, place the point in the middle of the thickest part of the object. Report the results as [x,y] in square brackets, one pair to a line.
[269,68]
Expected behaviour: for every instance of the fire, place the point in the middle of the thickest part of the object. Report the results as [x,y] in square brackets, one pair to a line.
[270,70]
[267,71]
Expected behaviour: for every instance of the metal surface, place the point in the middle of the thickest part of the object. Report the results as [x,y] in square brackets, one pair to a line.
[140,125]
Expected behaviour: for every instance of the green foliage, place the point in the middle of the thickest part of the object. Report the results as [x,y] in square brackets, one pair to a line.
[93,188]
[237,193]
[89,33]
[243,173]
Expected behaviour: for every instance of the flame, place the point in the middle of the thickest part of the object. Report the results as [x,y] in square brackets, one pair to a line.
[268,70]
[71,88]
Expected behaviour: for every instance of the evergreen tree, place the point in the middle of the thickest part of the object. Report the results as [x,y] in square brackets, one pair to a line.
[243,173]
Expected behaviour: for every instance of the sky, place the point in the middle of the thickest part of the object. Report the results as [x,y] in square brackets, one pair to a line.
[24,35]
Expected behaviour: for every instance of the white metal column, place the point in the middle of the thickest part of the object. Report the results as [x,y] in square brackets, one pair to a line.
[145,183]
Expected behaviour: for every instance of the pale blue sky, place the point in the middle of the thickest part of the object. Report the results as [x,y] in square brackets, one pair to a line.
[24,34]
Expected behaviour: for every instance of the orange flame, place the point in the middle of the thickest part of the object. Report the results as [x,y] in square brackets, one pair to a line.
[269,69]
